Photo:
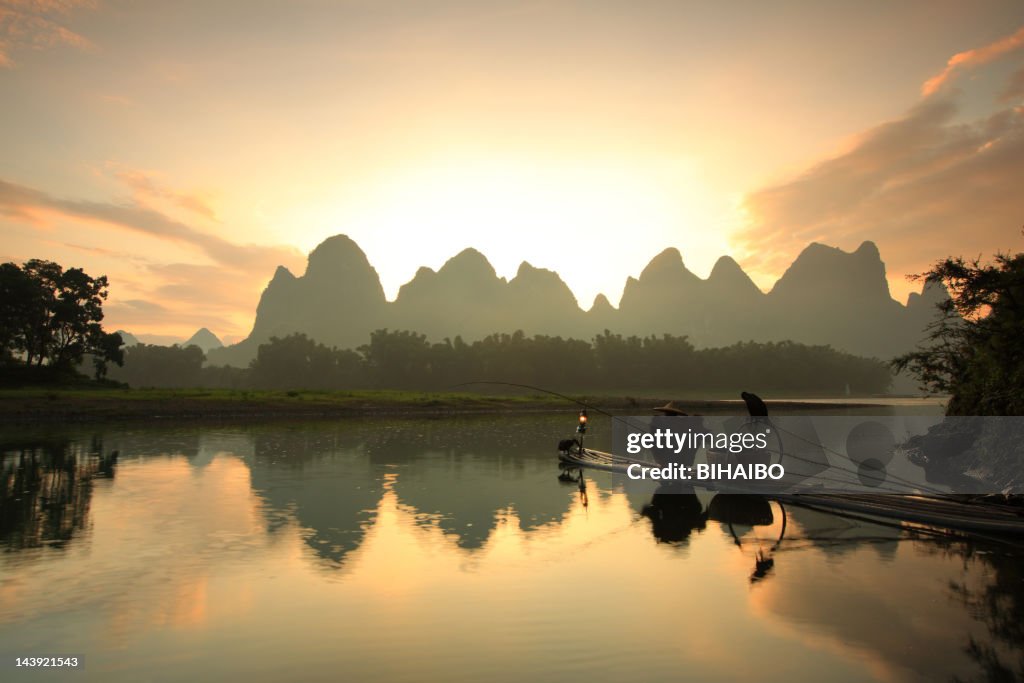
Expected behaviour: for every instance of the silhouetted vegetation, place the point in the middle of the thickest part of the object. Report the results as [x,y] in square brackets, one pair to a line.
[400,359]
[50,326]
[997,602]
[975,351]
[406,360]
[296,361]
[50,320]
[149,365]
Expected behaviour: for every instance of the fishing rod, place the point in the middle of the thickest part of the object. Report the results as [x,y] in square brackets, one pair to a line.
[578,402]
[778,432]
[534,388]
[625,421]
[936,492]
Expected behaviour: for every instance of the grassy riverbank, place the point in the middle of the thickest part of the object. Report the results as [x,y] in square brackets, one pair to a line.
[44,404]
[98,403]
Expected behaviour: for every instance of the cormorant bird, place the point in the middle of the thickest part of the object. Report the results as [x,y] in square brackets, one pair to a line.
[755,406]
[762,565]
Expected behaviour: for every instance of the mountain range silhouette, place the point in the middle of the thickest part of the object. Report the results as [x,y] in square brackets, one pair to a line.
[203,338]
[827,296]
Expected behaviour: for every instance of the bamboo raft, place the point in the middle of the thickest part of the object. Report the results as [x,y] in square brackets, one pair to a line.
[949,513]
[938,511]
[600,460]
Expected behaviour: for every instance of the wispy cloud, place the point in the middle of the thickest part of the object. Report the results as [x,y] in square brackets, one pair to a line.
[915,185]
[50,6]
[144,306]
[38,25]
[1015,88]
[20,202]
[146,185]
[148,295]
[182,297]
[102,251]
[975,57]
[119,100]
[190,285]
[148,317]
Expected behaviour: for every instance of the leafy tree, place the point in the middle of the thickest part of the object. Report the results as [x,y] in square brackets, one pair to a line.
[975,350]
[399,359]
[17,292]
[149,365]
[109,349]
[618,360]
[298,362]
[51,316]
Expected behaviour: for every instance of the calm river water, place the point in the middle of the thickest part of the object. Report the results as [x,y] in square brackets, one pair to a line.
[448,550]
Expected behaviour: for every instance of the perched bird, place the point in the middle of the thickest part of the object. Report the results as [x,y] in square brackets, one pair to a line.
[755,406]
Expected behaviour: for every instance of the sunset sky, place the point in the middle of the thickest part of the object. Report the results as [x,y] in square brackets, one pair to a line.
[185,149]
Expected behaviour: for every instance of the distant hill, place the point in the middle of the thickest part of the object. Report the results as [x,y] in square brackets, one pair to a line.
[827,296]
[466,297]
[338,301]
[204,339]
[128,338]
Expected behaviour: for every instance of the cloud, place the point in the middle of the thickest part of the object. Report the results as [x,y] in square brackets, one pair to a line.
[173,298]
[182,297]
[193,285]
[918,186]
[975,57]
[19,202]
[50,6]
[143,306]
[1015,88]
[101,251]
[119,100]
[147,185]
[38,25]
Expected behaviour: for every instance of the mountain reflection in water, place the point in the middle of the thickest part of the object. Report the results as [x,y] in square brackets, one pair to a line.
[405,549]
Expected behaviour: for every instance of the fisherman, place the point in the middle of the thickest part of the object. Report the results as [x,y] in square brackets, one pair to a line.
[669,419]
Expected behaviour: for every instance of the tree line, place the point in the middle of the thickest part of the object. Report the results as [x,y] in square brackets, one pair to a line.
[51,328]
[402,359]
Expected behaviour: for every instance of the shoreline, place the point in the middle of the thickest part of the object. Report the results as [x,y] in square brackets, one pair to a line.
[40,405]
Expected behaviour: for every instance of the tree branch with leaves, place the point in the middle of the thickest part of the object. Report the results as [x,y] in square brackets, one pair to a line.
[975,349]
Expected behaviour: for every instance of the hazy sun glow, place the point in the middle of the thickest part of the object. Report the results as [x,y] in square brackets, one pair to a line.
[577,218]
[187,149]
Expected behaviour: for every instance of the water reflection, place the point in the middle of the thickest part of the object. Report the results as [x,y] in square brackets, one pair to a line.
[740,514]
[998,604]
[330,478]
[454,538]
[675,511]
[322,481]
[46,488]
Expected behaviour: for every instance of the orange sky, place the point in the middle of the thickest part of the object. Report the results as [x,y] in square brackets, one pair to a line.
[186,149]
